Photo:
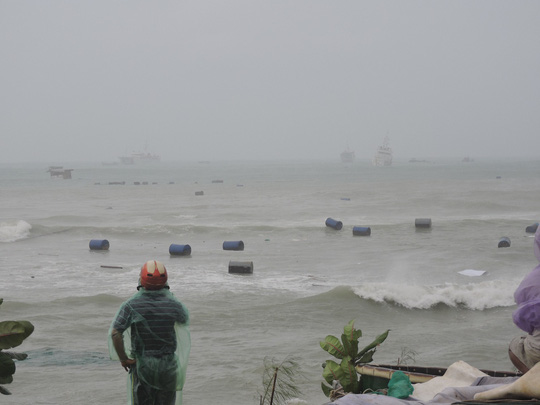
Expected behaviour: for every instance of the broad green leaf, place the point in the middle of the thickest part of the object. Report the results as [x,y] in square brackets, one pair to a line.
[366,357]
[4,391]
[12,333]
[8,379]
[349,328]
[333,346]
[326,389]
[16,356]
[349,380]
[352,334]
[332,371]
[378,340]
[351,347]
[346,344]
[7,367]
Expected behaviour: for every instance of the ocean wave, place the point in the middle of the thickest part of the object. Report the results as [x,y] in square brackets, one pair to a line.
[162,228]
[14,230]
[99,299]
[474,296]
[49,357]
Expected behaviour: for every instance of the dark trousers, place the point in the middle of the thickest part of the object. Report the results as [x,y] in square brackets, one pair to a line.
[144,394]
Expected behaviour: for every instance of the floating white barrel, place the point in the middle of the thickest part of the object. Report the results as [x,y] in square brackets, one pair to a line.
[99,244]
[361,231]
[504,242]
[422,223]
[240,267]
[179,250]
[332,223]
[233,245]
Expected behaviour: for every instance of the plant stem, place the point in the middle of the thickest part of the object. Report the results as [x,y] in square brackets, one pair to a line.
[273,387]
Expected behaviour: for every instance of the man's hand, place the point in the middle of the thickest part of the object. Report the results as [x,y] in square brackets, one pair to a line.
[128,363]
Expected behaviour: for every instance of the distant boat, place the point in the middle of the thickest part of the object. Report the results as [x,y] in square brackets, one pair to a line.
[140,157]
[347,156]
[467,159]
[383,157]
[58,172]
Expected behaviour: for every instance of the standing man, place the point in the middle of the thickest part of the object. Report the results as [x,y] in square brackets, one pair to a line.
[150,336]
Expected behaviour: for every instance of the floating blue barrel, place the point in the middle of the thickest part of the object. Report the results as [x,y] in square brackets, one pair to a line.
[361,231]
[504,242]
[179,250]
[233,245]
[532,228]
[99,244]
[422,223]
[240,267]
[332,223]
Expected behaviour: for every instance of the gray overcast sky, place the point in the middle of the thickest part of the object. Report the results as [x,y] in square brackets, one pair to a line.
[225,80]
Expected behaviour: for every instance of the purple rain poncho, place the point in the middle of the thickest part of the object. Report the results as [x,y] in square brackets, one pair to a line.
[527,296]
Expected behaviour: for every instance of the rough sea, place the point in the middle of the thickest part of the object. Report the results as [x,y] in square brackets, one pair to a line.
[308,280]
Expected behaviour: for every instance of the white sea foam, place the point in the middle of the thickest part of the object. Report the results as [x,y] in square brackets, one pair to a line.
[476,296]
[14,230]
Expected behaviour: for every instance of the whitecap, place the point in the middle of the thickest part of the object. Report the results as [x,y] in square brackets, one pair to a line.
[475,296]
[14,230]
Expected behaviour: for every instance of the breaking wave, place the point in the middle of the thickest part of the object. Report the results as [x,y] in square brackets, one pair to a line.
[14,230]
[475,296]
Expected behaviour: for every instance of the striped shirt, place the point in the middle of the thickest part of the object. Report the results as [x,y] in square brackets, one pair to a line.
[151,316]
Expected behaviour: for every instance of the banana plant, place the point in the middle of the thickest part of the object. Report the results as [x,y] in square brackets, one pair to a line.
[347,351]
[12,334]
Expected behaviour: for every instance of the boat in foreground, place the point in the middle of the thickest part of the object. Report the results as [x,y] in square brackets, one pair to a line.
[382,373]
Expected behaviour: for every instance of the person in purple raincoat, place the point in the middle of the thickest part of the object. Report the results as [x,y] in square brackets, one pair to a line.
[524,351]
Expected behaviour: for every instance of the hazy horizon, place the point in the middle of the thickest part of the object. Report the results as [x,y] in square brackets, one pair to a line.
[245,80]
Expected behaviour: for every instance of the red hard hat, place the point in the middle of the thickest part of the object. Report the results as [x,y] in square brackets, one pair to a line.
[153,275]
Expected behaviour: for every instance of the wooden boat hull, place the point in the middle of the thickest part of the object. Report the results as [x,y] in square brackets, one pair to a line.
[376,376]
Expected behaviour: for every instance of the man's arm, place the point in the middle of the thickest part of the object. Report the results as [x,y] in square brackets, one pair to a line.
[118,343]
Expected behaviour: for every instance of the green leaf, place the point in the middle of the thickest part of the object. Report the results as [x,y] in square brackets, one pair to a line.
[366,357]
[350,347]
[7,368]
[378,340]
[6,380]
[332,371]
[349,328]
[12,333]
[349,379]
[4,391]
[352,334]
[16,356]
[333,346]
[346,344]
[326,389]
